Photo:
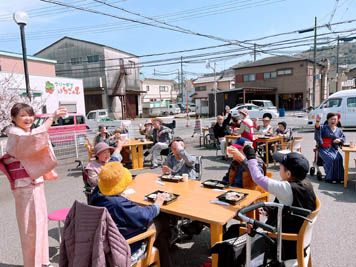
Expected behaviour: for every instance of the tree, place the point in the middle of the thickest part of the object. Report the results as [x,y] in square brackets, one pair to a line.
[10,94]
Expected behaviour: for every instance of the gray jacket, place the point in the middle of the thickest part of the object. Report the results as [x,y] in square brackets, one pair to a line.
[186,165]
[165,136]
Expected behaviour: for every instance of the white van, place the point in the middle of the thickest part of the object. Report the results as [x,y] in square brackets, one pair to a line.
[343,102]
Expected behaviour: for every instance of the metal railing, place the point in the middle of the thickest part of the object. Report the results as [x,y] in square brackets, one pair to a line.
[69,145]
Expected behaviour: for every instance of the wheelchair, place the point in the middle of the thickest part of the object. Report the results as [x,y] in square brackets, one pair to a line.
[317,163]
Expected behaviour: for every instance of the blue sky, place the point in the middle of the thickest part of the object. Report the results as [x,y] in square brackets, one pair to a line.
[228,19]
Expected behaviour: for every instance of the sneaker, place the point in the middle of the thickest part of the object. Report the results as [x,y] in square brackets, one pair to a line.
[154,166]
[146,153]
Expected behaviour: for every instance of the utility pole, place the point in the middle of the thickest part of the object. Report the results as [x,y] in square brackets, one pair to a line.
[181,80]
[314,65]
[254,52]
[337,64]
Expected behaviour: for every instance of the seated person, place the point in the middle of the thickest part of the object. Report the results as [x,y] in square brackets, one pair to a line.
[103,154]
[103,135]
[124,128]
[221,128]
[130,218]
[246,127]
[161,139]
[147,130]
[266,128]
[234,176]
[282,130]
[235,124]
[329,137]
[294,189]
[115,137]
[179,161]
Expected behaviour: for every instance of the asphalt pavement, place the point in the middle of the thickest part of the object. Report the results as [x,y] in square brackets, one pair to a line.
[334,235]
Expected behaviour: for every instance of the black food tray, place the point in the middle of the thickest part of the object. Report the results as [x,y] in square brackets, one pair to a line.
[173,197]
[214,184]
[171,178]
[224,198]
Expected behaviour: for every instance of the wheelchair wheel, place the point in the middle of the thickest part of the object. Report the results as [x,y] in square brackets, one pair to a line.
[319,176]
[312,171]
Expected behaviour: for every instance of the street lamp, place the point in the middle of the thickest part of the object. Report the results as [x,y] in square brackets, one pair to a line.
[208,66]
[344,39]
[21,18]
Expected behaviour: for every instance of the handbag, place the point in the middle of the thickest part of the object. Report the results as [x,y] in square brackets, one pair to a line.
[51,175]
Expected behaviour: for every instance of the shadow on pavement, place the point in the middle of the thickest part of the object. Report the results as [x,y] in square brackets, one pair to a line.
[9,265]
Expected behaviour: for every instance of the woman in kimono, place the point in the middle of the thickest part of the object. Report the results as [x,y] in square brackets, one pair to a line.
[329,137]
[28,161]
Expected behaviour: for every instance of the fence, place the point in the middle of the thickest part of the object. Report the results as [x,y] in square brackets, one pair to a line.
[64,145]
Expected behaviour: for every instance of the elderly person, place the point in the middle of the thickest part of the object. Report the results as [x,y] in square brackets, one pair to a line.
[282,130]
[124,128]
[246,125]
[103,135]
[179,161]
[221,128]
[147,130]
[130,218]
[161,139]
[329,137]
[266,128]
[103,154]
[115,137]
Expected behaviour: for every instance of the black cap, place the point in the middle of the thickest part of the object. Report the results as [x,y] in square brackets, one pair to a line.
[294,162]
[176,139]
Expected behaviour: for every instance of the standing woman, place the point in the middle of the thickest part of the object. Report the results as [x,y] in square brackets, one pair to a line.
[329,137]
[29,158]
[246,125]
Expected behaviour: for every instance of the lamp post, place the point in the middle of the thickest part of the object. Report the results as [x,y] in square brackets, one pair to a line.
[344,39]
[208,66]
[21,18]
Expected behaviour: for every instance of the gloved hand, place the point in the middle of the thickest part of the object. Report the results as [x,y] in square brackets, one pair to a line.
[249,152]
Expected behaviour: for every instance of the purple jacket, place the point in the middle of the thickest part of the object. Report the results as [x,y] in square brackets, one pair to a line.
[91,238]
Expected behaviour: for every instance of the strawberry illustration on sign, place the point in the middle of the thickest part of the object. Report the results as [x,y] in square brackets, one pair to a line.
[49,87]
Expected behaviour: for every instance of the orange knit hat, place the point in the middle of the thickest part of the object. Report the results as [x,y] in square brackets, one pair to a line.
[113,179]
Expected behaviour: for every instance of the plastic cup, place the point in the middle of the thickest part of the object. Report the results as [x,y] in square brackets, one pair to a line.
[185,177]
[352,144]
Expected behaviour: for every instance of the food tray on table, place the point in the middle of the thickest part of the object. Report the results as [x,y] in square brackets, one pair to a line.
[153,195]
[232,197]
[171,178]
[346,145]
[214,184]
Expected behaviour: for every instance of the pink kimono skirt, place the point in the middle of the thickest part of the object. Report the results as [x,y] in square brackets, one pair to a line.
[31,214]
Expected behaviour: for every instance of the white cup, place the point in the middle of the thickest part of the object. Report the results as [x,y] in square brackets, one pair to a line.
[352,144]
[185,177]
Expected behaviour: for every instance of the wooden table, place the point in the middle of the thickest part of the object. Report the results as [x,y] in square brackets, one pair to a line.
[136,148]
[193,202]
[347,151]
[271,139]
[228,138]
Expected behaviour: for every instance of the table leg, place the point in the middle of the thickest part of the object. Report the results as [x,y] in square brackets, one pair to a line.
[140,156]
[215,236]
[226,144]
[267,155]
[346,170]
[135,157]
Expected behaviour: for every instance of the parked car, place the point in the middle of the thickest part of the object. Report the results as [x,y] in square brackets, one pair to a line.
[254,111]
[343,102]
[265,104]
[65,130]
[172,109]
[101,117]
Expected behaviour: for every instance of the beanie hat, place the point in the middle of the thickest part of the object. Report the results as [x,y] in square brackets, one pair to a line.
[113,179]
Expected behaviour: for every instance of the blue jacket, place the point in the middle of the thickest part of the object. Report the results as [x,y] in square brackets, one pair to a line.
[130,218]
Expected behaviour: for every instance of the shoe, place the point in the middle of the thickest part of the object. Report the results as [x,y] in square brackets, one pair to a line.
[331,181]
[154,167]
[146,153]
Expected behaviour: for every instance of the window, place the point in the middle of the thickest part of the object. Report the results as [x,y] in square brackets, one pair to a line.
[332,103]
[284,72]
[249,77]
[351,102]
[68,121]
[147,88]
[92,59]
[267,75]
[121,61]
[80,120]
[163,88]
[200,88]
[273,74]
[131,66]
[92,116]
[76,60]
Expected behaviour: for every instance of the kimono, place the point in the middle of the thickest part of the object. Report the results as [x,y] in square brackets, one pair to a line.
[328,151]
[29,157]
